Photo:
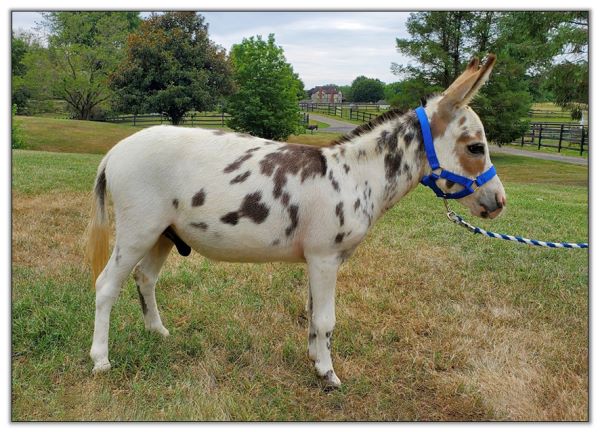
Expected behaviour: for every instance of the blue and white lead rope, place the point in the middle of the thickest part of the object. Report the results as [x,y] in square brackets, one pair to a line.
[476,230]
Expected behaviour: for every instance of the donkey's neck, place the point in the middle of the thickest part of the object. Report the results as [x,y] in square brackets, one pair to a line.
[385,158]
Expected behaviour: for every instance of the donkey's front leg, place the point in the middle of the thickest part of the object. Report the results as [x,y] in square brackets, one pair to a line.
[322,274]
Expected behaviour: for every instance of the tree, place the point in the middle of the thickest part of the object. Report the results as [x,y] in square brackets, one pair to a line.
[525,43]
[32,74]
[569,80]
[266,103]
[408,93]
[437,44]
[20,94]
[84,48]
[172,67]
[365,89]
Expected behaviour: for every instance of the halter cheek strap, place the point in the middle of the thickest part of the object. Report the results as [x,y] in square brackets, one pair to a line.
[470,185]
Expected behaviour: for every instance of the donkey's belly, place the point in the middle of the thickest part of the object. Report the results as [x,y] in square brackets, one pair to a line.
[235,246]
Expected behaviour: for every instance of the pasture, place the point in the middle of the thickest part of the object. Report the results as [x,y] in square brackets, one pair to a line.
[432,323]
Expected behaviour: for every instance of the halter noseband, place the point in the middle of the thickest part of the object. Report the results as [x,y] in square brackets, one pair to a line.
[469,185]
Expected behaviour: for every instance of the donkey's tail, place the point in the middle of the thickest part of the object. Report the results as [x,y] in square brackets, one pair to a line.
[98,228]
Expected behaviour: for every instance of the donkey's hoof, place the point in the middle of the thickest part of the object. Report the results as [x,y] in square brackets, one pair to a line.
[331,381]
[101,366]
[161,330]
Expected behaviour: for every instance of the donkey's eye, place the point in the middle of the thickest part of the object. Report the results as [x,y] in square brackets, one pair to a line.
[476,148]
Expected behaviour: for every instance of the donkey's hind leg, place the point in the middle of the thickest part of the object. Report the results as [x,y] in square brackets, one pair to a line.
[146,275]
[130,247]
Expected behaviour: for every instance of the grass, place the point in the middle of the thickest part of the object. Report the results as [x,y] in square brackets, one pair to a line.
[432,323]
[77,136]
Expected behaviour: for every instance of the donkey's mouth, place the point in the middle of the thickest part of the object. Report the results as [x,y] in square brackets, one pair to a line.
[487,214]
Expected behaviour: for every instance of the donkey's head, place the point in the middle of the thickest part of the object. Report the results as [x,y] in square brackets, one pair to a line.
[460,142]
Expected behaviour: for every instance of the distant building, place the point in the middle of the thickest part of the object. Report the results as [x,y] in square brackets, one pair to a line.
[326,95]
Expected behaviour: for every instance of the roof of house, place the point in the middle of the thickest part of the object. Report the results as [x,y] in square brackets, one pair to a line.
[326,90]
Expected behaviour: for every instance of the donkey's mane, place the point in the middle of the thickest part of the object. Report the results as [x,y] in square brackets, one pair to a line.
[388,115]
[364,128]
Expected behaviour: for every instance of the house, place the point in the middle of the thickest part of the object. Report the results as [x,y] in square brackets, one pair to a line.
[327,94]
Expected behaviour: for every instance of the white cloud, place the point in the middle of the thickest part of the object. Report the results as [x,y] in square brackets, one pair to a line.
[323,47]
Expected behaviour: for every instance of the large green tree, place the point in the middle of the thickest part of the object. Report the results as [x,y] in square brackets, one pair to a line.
[84,48]
[172,67]
[526,43]
[266,101]
[365,89]
[409,93]
[33,74]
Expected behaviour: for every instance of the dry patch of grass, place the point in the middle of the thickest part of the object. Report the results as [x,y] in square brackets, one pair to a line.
[432,324]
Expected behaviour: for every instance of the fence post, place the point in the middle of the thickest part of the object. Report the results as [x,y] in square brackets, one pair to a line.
[582,140]
[560,137]
[523,140]
[222,118]
[134,119]
[540,137]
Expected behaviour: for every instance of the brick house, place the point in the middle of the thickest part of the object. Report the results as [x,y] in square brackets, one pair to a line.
[326,95]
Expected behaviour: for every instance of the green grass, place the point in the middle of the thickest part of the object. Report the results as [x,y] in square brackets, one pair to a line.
[78,136]
[75,136]
[433,323]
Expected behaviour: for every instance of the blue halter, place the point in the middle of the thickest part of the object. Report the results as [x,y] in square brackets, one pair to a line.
[469,185]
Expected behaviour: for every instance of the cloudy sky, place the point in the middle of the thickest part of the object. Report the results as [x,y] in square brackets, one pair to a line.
[323,47]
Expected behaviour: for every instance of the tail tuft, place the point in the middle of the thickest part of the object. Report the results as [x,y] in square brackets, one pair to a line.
[98,229]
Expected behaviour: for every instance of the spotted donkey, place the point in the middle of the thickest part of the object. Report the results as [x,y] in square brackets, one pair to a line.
[235,197]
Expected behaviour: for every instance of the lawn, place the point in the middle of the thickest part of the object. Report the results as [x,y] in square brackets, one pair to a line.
[77,136]
[432,323]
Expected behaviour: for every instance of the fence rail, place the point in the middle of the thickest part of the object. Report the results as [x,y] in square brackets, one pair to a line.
[189,119]
[556,135]
[342,111]
[364,106]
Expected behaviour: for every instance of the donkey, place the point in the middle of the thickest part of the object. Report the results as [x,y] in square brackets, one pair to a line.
[234,197]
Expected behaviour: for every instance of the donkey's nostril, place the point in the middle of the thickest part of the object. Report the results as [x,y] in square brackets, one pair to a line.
[500,200]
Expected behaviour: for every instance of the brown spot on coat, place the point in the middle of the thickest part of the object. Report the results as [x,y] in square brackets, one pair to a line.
[356,204]
[240,178]
[293,212]
[201,225]
[462,120]
[253,208]
[231,218]
[293,159]
[175,203]
[471,164]
[439,122]
[198,198]
[339,237]
[236,164]
[339,212]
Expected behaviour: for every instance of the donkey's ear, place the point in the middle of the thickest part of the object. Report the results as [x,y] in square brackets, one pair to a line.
[462,90]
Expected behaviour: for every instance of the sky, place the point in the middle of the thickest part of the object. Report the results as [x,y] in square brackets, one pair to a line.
[323,47]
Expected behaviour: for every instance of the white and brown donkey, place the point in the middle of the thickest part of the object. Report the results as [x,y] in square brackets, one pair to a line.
[234,197]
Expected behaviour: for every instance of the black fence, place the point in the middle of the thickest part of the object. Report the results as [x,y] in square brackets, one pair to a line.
[556,135]
[561,115]
[193,119]
[189,119]
[342,111]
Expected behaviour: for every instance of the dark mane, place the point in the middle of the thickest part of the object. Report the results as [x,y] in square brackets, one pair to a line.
[364,128]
